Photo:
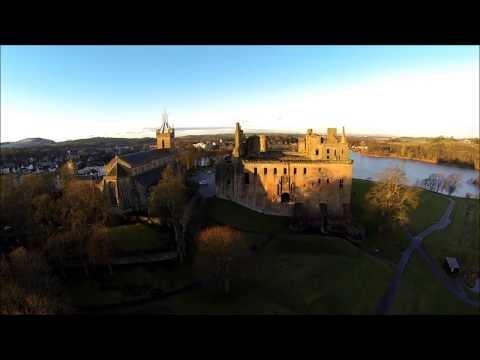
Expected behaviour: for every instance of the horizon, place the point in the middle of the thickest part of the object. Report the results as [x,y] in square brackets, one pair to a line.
[247,131]
[77,92]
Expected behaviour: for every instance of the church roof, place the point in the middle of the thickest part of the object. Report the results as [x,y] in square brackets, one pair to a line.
[149,178]
[144,157]
[118,171]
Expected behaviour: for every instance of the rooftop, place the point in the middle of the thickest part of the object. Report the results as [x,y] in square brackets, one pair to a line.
[144,157]
[149,178]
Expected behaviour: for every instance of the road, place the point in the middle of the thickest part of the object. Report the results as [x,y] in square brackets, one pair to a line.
[207,175]
[455,287]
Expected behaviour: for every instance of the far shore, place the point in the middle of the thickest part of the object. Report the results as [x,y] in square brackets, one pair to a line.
[415,159]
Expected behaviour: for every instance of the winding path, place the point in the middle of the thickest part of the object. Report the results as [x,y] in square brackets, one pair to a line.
[455,287]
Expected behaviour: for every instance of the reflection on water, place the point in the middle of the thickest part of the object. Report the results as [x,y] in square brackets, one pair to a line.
[367,168]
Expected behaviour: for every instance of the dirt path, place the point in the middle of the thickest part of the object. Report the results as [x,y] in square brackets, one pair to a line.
[386,302]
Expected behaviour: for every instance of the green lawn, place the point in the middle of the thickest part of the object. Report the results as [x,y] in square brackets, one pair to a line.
[430,209]
[421,293]
[321,275]
[295,274]
[127,284]
[138,237]
[226,212]
[461,239]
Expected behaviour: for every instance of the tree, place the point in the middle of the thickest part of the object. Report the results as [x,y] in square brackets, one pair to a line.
[44,216]
[80,209]
[434,182]
[99,247]
[219,251]
[169,200]
[451,183]
[12,202]
[67,172]
[392,198]
[27,285]
[188,157]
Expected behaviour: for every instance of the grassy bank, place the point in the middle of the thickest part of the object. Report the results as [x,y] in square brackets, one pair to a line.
[295,274]
[139,237]
[431,208]
[229,213]
[461,239]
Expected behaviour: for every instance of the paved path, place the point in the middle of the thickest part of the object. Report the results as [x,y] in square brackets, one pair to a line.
[456,288]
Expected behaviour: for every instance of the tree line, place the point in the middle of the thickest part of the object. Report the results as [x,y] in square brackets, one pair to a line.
[441,183]
[50,220]
[446,151]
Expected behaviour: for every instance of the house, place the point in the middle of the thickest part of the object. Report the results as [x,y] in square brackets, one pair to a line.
[200,145]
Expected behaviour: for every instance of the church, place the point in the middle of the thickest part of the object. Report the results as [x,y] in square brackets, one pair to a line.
[318,174]
[130,178]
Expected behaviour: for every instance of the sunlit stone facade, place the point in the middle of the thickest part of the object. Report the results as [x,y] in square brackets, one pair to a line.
[319,174]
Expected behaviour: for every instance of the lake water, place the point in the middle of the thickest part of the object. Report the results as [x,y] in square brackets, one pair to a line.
[368,168]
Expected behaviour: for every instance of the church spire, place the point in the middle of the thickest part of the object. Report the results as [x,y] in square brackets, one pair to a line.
[165,126]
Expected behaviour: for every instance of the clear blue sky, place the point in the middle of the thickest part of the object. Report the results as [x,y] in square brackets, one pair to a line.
[66,92]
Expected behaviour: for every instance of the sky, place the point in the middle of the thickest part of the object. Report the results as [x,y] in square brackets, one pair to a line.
[72,92]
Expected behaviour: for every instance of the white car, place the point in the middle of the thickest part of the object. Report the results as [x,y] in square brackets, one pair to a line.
[203,182]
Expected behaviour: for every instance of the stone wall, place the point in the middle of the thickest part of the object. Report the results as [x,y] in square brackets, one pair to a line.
[273,187]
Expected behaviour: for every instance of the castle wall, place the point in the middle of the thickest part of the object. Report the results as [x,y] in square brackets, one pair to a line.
[308,182]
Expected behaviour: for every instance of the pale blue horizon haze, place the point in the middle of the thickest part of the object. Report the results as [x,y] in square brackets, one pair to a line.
[72,92]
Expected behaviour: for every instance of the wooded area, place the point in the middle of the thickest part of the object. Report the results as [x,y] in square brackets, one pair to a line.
[438,150]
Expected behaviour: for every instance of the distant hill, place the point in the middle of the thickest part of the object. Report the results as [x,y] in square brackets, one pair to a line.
[105,141]
[28,143]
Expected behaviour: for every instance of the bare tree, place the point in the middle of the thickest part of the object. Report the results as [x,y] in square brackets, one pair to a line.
[169,199]
[219,250]
[451,183]
[99,247]
[27,285]
[434,182]
[392,197]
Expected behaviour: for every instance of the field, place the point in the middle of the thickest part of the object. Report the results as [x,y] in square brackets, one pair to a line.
[421,293]
[293,273]
[430,209]
[298,274]
[461,239]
